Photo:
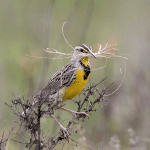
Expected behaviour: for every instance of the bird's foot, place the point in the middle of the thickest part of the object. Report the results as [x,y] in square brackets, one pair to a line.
[81,113]
[66,133]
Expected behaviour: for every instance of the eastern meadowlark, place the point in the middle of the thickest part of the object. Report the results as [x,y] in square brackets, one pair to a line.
[69,81]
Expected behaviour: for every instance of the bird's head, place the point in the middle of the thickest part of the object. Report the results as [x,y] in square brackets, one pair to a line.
[83,52]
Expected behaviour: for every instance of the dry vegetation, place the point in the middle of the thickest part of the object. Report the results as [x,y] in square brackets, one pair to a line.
[28,125]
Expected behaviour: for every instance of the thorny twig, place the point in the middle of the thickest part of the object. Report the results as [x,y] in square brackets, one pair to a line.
[4,139]
[29,117]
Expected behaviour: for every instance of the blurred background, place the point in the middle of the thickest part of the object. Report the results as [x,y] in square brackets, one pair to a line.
[29,27]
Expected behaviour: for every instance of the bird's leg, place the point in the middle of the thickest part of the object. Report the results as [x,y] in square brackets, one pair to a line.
[66,132]
[74,112]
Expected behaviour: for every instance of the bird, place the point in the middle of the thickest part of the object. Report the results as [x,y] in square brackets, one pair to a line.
[68,82]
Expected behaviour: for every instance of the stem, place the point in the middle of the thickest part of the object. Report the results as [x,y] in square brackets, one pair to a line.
[38,120]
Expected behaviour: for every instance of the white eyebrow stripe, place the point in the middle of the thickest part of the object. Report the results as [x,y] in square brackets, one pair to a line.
[78,47]
[86,46]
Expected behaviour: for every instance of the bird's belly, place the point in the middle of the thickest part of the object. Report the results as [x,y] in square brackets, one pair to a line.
[76,87]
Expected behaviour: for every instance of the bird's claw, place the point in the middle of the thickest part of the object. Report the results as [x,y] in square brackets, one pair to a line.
[84,113]
[66,133]
[80,113]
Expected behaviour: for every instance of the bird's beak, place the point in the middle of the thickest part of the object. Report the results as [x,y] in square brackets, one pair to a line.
[92,55]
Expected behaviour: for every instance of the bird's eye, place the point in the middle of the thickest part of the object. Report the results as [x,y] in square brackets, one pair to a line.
[82,50]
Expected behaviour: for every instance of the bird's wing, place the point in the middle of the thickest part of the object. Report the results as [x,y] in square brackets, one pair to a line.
[62,78]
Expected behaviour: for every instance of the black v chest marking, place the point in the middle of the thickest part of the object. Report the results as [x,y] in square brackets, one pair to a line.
[87,70]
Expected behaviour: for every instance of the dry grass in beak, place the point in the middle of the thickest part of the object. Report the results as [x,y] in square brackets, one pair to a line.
[108,52]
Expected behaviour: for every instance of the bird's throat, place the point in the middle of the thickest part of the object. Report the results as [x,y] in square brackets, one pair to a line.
[84,60]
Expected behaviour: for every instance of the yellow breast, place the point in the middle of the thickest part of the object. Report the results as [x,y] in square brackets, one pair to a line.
[76,87]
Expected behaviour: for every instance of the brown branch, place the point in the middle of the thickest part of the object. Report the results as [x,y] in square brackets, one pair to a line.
[30,119]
